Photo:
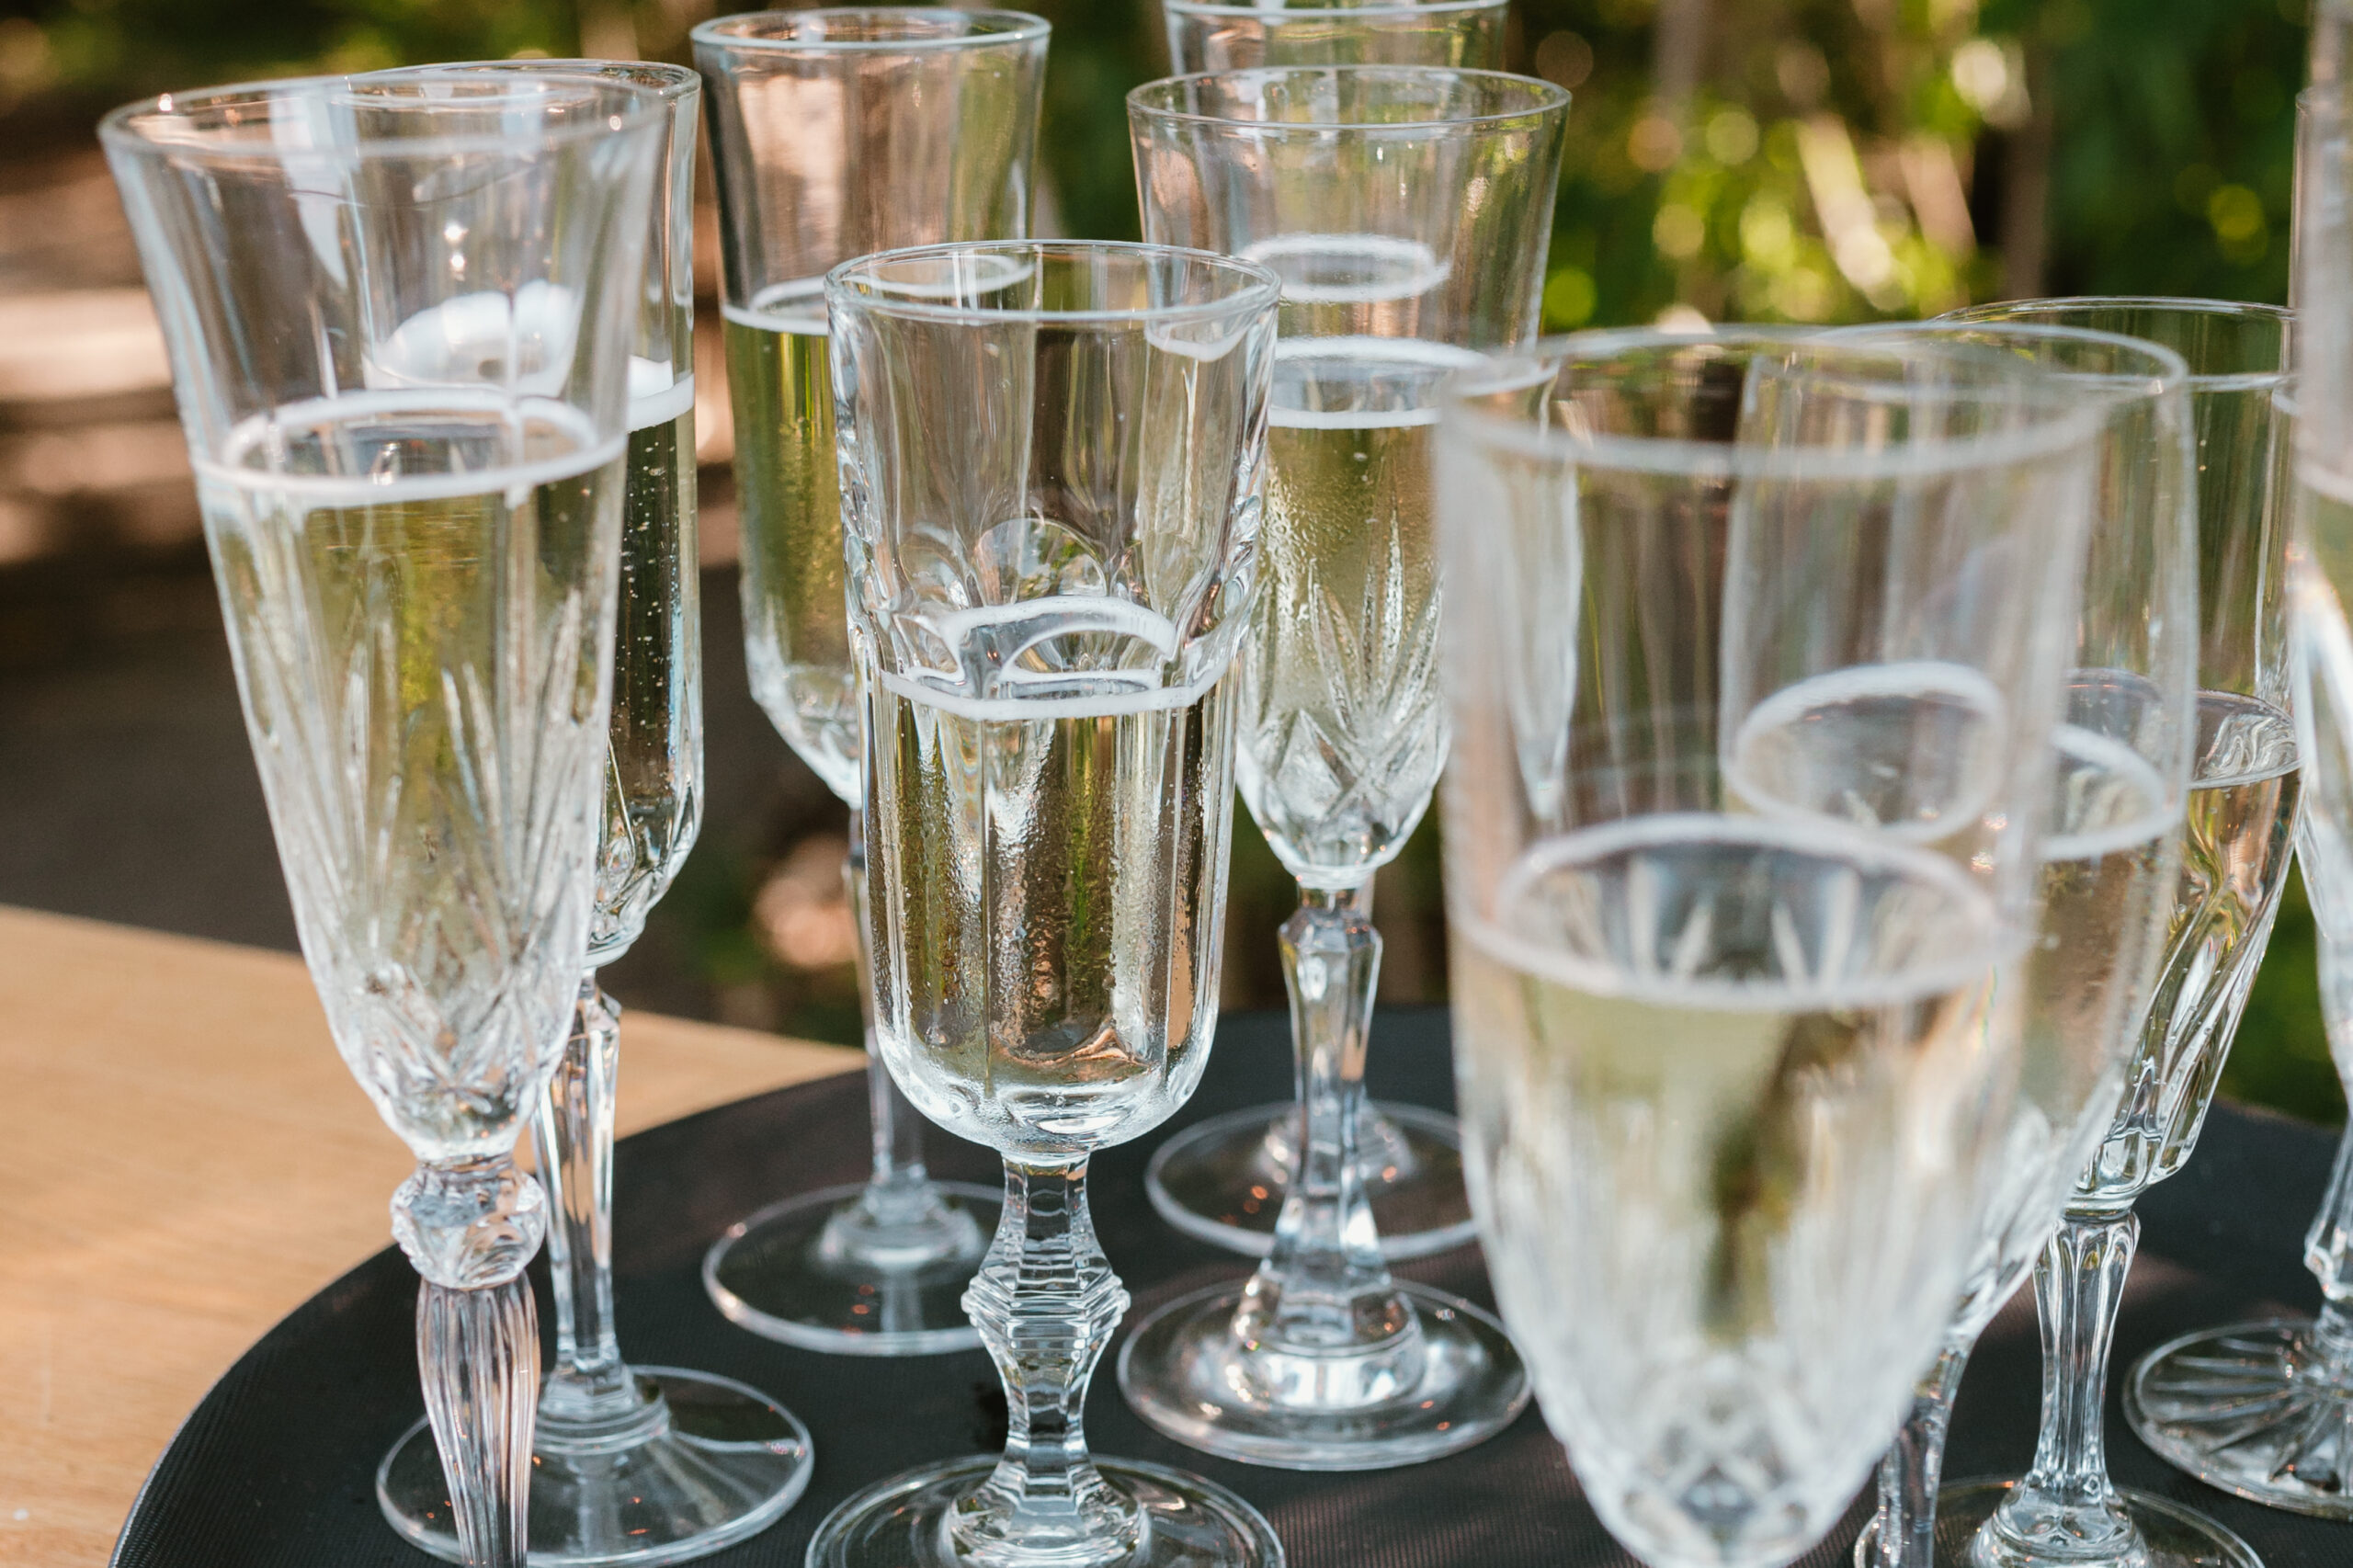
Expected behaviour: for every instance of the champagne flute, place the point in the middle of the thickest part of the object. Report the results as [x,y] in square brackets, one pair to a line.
[1407,210]
[2110,859]
[2266,1409]
[835,132]
[1753,750]
[1466,34]
[2240,822]
[1051,459]
[651,1464]
[1311,202]
[415,533]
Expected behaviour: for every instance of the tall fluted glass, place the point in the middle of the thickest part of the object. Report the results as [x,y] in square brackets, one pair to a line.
[1051,459]
[2111,862]
[1407,210]
[2266,1409]
[835,133]
[401,313]
[1753,750]
[1466,34]
[650,1464]
[2240,822]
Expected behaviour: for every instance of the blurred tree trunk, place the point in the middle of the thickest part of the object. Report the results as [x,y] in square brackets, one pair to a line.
[2026,185]
[1679,44]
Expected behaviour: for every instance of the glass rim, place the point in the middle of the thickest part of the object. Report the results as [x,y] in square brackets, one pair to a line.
[983,29]
[2072,423]
[672,83]
[1376,8]
[2171,371]
[1545,98]
[116,128]
[1261,289]
[2167,304]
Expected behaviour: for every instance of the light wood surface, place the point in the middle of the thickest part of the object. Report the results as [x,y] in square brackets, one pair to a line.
[183,1161]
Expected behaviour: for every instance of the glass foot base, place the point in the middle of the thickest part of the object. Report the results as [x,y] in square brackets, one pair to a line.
[1221,1181]
[1181,1371]
[2247,1409]
[2173,1536]
[780,1273]
[1187,1522]
[726,1465]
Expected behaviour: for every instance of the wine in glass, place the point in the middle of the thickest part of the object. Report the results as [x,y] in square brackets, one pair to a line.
[1407,210]
[2239,826]
[647,1464]
[1752,749]
[401,311]
[836,132]
[1052,456]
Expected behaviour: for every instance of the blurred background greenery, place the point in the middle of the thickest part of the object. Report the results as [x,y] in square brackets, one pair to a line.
[1763,160]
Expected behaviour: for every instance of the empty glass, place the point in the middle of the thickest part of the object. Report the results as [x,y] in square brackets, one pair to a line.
[2266,1409]
[401,314]
[1463,33]
[1051,459]
[651,1464]
[1407,210]
[1752,753]
[2111,859]
[2240,821]
[835,133]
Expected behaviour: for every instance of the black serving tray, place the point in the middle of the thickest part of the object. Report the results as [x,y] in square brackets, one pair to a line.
[276,1467]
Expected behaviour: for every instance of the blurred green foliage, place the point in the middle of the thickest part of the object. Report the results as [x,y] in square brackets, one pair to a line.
[1776,160]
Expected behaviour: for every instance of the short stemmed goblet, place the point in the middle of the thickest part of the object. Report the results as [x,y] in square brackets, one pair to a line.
[2112,857]
[2238,828]
[650,1464]
[1406,209]
[1467,34]
[833,134]
[2266,1409]
[1050,459]
[415,532]
[1753,733]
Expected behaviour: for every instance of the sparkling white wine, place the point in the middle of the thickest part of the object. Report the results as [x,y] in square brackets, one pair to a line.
[1728,1083]
[2236,834]
[1048,882]
[416,586]
[1343,729]
[654,755]
[2113,850]
[788,498]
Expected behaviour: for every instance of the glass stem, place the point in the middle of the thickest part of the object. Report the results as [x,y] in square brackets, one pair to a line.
[899,1176]
[2328,1245]
[478,1351]
[589,1386]
[1046,1304]
[1904,1529]
[469,1226]
[2066,1499]
[1324,1288]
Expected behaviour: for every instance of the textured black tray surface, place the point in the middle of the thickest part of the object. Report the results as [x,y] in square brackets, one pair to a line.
[276,1468]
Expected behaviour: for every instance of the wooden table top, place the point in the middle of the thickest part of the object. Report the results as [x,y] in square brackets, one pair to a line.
[186,1160]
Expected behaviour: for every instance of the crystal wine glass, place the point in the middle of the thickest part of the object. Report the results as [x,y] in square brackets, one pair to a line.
[2239,824]
[1752,746]
[2111,862]
[651,1464]
[401,313]
[2266,1409]
[1220,1180]
[1407,210]
[833,134]
[1051,459]
[1467,34]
